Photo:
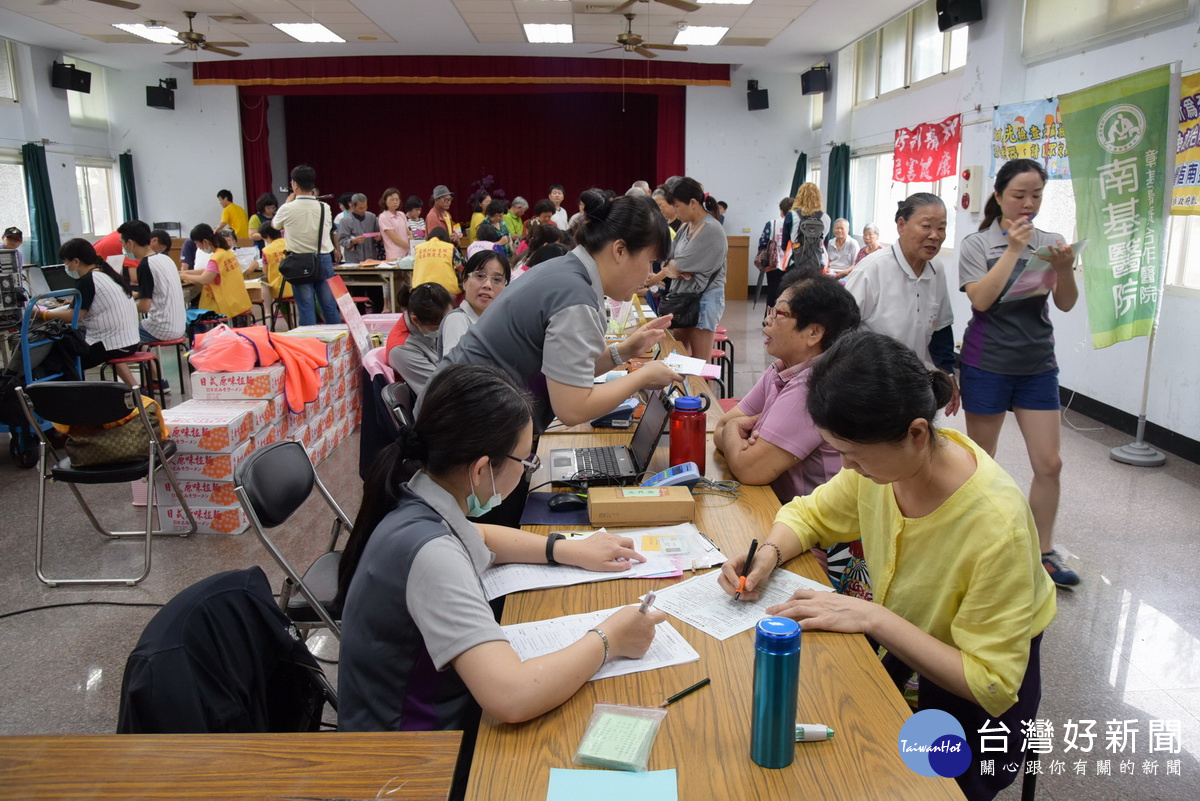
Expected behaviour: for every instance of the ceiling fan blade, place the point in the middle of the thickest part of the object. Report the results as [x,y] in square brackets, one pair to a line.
[680,48]
[220,50]
[641,51]
[176,50]
[120,4]
[605,50]
[682,5]
[229,44]
[623,6]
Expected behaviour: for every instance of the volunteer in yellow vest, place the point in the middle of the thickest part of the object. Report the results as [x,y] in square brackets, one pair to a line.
[433,261]
[224,286]
[272,255]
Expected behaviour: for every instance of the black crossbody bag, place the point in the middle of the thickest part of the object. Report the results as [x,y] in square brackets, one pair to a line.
[304,268]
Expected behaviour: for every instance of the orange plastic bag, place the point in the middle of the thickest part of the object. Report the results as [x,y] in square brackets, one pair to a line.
[223,350]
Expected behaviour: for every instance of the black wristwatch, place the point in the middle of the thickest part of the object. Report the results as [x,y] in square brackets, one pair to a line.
[553,538]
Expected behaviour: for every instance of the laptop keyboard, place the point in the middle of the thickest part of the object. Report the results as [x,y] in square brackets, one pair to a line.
[597,461]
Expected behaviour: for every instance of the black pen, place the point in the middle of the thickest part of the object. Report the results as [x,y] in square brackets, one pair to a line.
[746,569]
[703,682]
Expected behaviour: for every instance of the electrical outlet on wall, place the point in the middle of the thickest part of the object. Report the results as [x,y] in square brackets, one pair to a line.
[66,225]
[745,230]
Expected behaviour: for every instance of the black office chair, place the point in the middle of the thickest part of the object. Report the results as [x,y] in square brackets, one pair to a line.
[221,657]
[95,404]
[271,485]
[399,399]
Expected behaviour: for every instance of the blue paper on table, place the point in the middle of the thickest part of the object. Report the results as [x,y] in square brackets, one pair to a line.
[538,513]
[605,785]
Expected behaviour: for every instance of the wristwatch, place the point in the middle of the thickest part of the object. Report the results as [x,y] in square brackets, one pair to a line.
[616,354]
[553,538]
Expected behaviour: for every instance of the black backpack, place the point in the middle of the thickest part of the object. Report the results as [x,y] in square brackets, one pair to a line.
[808,233]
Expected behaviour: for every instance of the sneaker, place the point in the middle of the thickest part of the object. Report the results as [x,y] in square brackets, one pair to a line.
[1058,570]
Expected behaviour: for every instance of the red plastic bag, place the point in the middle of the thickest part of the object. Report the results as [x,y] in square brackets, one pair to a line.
[223,350]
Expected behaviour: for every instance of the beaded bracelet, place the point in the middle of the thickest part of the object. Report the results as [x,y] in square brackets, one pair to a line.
[778,553]
[603,637]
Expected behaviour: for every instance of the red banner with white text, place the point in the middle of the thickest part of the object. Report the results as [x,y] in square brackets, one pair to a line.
[927,152]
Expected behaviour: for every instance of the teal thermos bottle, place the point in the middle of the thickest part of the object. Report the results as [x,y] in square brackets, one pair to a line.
[776,684]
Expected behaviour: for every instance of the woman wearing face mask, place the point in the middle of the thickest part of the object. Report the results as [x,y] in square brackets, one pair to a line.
[107,311]
[224,286]
[1008,348]
[949,539]
[484,277]
[902,293]
[421,648]
[412,342]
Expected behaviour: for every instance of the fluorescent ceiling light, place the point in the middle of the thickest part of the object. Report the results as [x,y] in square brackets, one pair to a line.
[700,35]
[555,34]
[308,32]
[160,34]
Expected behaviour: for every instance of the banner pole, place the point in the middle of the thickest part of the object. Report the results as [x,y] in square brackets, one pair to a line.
[1138,453]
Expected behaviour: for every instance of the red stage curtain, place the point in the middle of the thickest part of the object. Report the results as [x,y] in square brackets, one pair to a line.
[524,141]
[256,153]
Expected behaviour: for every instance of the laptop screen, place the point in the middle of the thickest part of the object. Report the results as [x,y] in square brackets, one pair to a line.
[57,278]
[649,430]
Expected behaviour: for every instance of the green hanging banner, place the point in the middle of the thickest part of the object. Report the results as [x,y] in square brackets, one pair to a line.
[1116,134]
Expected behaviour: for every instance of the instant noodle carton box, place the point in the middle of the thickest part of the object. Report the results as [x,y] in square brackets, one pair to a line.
[211,466]
[208,426]
[253,384]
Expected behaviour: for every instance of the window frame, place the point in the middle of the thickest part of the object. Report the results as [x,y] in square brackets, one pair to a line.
[98,97]
[87,212]
[1123,33]
[9,62]
[908,82]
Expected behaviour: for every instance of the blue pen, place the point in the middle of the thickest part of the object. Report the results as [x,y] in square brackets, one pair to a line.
[1030,218]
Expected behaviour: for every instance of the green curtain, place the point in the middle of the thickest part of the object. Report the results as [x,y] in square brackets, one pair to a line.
[801,173]
[43,225]
[837,202]
[128,189]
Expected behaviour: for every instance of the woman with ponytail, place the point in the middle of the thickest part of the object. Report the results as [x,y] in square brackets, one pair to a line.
[1008,359]
[951,545]
[421,648]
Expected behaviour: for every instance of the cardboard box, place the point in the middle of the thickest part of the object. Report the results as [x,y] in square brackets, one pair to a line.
[208,426]
[209,519]
[301,433]
[261,412]
[637,506]
[254,384]
[268,434]
[196,493]
[210,466]
[336,338]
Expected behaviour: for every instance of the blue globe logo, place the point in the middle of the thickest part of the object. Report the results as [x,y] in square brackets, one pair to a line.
[932,743]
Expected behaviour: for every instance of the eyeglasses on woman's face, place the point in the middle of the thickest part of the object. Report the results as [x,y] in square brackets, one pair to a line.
[531,464]
[775,311]
[484,278]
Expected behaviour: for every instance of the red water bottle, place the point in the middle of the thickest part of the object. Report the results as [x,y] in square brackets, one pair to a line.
[688,435]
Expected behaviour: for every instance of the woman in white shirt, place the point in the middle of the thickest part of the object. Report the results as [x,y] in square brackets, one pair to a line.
[484,277]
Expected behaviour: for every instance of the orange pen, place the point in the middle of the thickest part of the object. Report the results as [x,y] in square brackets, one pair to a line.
[746,569]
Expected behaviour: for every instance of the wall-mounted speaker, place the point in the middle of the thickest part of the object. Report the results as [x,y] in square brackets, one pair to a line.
[815,81]
[67,76]
[756,100]
[160,97]
[953,13]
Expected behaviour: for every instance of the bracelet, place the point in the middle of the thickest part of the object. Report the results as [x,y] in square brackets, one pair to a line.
[603,637]
[553,538]
[778,553]
[616,354]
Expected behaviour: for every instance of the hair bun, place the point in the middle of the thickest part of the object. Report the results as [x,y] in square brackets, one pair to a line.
[596,205]
[942,386]
[411,444]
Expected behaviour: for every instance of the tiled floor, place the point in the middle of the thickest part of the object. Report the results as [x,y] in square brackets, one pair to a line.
[1125,646]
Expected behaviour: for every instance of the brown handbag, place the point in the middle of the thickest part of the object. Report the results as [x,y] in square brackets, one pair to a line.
[126,441]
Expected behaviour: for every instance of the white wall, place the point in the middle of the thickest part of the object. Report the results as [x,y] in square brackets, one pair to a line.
[180,158]
[994,75]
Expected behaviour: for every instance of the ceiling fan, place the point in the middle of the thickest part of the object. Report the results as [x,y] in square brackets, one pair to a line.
[630,42]
[197,41]
[682,5]
[118,3]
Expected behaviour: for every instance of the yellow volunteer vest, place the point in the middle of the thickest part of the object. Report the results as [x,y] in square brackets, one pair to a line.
[433,261]
[228,298]
[272,255]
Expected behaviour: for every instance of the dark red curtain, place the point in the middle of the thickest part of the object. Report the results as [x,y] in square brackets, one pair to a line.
[256,152]
[522,140]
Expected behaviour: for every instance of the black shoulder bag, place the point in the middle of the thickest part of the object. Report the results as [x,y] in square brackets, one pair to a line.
[304,268]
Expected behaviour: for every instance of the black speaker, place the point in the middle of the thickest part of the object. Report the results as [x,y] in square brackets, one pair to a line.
[66,76]
[756,100]
[160,97]
[815,81]
[952,13]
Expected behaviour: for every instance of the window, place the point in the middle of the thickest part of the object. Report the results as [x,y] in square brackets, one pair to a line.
[8,74]
[814,175]
[1056,27]
[874,196]
[13,210]
[95,183]
[818,110]
[89,110]
[1183,233]
[908,49]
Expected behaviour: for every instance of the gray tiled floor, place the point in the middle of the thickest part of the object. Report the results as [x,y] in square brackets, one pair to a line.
[1126,645]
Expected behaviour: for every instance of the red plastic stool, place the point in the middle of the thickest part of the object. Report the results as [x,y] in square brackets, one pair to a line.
[721,358]
[181,346]
[142,359]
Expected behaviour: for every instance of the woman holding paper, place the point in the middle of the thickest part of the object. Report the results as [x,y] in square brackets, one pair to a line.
[1008,348]
[948,537]
[421,648]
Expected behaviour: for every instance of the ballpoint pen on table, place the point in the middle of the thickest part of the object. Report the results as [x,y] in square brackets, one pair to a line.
[746,569]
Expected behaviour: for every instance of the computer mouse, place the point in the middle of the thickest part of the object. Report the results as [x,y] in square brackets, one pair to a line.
[566,502]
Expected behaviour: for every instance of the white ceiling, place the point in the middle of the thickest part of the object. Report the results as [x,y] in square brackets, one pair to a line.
[775,35]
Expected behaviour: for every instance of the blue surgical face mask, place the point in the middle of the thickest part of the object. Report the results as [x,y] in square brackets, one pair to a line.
[477,509]
[73,274]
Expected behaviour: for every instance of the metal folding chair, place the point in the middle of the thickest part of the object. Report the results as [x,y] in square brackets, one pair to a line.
[271,485]
[96,403]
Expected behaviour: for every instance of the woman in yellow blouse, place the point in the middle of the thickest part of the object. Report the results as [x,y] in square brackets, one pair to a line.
[960,594]
[222,279]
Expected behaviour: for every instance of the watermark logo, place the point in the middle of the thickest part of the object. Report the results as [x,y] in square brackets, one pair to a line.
[932,743]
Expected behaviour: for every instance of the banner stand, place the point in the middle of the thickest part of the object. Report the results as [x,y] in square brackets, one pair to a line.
[1138,453]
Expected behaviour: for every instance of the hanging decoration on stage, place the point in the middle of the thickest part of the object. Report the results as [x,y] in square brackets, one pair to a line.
[927,152]
[1031,130]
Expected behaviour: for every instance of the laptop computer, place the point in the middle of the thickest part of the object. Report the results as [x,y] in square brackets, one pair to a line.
[614,464]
